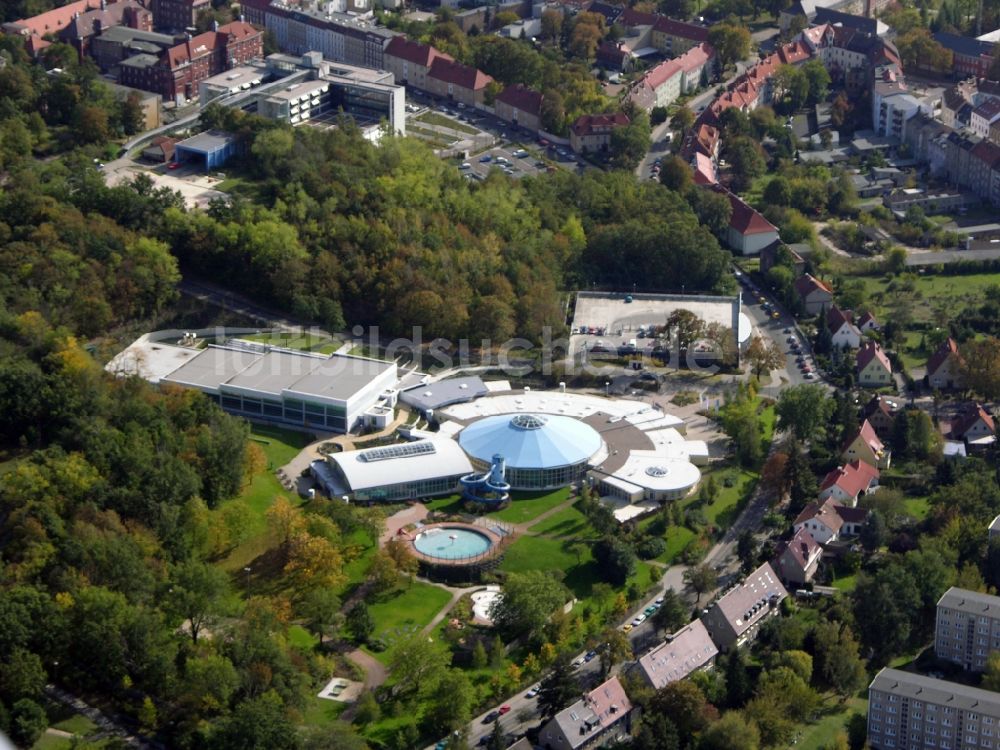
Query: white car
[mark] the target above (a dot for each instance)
(639, 620)
(465, 165)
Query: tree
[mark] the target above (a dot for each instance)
(738, 684)
(783, 687)
(526, 603)
(655, 732)
(207, 684)
(257, 724)
(991, 674)
(198, 593)
(417, 664)
(701, 579)
(675, 174)
(682, 119)
(558, 689)
(804, 410)
(685, 325)
(359, 622)
(672, 614)
(774, 476)
(552, 21)
(479, 656)
(629, 144)
(981, 367)
(616, 560)
(588, 30)
(321, 610)
(615, 648)
(791, 87)
(746, 550)
(764, 355)
(875, 533)
(919, 50)
(21, 676)
(497, 740)
(27, 722)
(731, 43)
(741, 422)
(818, 79)
(731, 732)
(93, 125)
(686, 706)
(747, 160)
(450, 702)
(778, 192)
(553, 111)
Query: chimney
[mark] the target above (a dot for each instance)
(103, 5)
(242, 19)
(215, 25)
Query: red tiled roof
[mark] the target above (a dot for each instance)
(852, 479)
(695, 57)
(414, 52)
(91, 22)
(801, 547)
(945, 350)
(680, 29)
(587, 124)
(204, 44)
(986, 151)
(882, 404)
(745, 219)
(239, 30)
(455, 73)
(831, 514)
(867, 433)
(971, 414)
(630, 17)
(662, 73)
(872, 351)
(836, 318)
(704, 170)
(794, 52)
(56, 19)
(806, 284)
(522, 98)
(866, 319)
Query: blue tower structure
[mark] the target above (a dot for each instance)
(489, 488)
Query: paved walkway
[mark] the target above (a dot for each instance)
(98, 717)
(456, 594)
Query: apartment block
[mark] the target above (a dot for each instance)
(967, 628)
(912, 712)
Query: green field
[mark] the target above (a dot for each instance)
(845, 584)
(405, 611)
(569, 522)
(307, 342)
(433, 118)
(954, 292)
(678, 537)
(527, 506)
(834, 719)
(918, 507)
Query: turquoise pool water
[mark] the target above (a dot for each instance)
(451, 543)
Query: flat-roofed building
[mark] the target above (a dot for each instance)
(424, 468)
(231, 82)
(907, 710)
(967, 628)
(336, 393)
(688, 650)
(735, 617)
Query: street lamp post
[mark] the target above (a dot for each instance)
(607, 388)
(247, 571)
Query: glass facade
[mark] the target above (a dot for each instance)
(537, 479)
(407, 490)
(291, 411)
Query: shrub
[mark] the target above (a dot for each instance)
(650, 547)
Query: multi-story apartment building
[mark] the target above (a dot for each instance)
(967, 628)
(178, 15)
(908, 711)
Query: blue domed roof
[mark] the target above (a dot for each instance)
(531, 441)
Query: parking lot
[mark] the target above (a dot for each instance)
(611, 322)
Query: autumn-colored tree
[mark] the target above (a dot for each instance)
(764, 355)
(313, 561)
(773, 477)
(284, 518)
(981, 367)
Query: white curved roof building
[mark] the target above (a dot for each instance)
(541, 451)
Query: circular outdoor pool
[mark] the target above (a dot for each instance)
(451, 543)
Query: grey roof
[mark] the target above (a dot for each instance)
(688, 650)
(141, 61)
(599, 709)
(340, 377)
(748, 602)
(125, 34)
(939, 692)
(211, 367)
(210, 140)
(963, 45)
(274, 372)
(444, 393)
(970, 602)
(860, 23)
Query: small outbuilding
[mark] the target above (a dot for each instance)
(210, 149)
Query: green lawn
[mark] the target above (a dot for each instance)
(678, 537)
(77, 724)
(834, 719)
(433, 118)
(307, 342)
(918, 507)
(846, 584)
(447, 504)
(299, 636)
(356, 568)
(957, 292)
(576, 561)
(406, 611)
(321, 712)
(527, 506)
(723, 510)
(569, 522)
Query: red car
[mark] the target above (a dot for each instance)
(504, 710)
(174, 165)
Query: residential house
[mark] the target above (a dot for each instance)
(873, 366)
(702, 139)
(674, 37)
(846, 483)
(520, 105)
(815, 295)
(995, 529)
(696, 63)
(659, 87)
(973, 425)
(984, 116)
(688, 650)
(705, 172)
(735, 618)
(929, 712)
(615, 56)
(457, 82)
(749, 232)
(865, 445)
(76, 23)
(843, 332)
(176, 72)
(881, 412)
(772, 254)
(592, 133)
(797, 560)
(178, 15)
(161, 149)
(867, 323)
(967, 628)
(410, 62)
(603, 716)
(944, 368)
(970, 57)
(828, 521)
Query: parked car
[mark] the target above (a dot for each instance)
(639, 620)
(491, 717)
(504, 709)
(533, 691)
(485, 159)
(174, 165)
